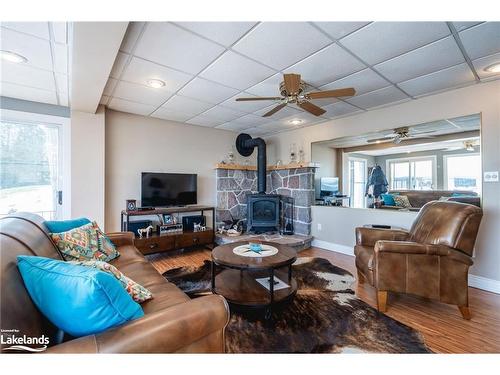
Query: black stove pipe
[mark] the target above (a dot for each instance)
(245, 145)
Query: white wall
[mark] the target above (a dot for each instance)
(482, 98)
(87, 165)
(136, 144)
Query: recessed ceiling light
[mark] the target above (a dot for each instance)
(494, 68)
(12, 57)
(295, 122)
(156, 83)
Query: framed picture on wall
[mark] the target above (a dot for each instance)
(168, 219)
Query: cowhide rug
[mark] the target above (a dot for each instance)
(324, 317)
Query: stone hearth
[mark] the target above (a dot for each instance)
(233, 186)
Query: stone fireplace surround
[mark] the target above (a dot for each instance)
(234, 183)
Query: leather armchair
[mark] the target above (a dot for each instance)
(431, 260)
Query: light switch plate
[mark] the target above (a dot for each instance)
(491, 176)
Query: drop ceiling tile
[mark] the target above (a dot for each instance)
(430, 58)
(483, 63)
(255, 132)
(26, 75)
(460, 26)
(305, 117)
(236, 71)
(37, 51)
(232, 126)
(186, 105)
(130, 107)
(327, 65)
(377, 98)
(252, 120)
(247, 106)
(167, 114)
(119, 65)
(141, 94)
(133, 31)
(60, 30)
(270, 43)
(140, 71)
(223, 114)
(338, 30)
(380, 41)
(60, 58)
(38, 29)
(443, 79)
(275, 126)
(207, 91)
(268, 87)
(364, 81)
(339, 109)
(204, 121)
(225, 33)
(481, 40)
(289, 110)
(61, 83)
(27, 93)
(169, 45)
(110, 86)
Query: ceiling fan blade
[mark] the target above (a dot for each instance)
(311, 108)
(259, 98)
(383, 139)
(274, 110)
(292, 83)
(331, 93)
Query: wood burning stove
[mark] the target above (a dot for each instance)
(263, 213)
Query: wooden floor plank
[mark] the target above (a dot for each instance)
(442, 326)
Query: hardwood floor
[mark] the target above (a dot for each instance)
(442, 326)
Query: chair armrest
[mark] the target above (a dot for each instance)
(407, 247)
(121, 238)
(369, 236)
(164, 331)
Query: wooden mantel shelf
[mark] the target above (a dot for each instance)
(269, 167)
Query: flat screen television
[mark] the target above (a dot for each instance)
(329, 186)
(168, 189)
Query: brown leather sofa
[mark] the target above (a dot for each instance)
(173, 323)
(418, 198)
(431, 260)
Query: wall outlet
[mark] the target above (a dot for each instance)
(491, 176)
(319, 227)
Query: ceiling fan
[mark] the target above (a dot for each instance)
(401, 134)
(292, 91)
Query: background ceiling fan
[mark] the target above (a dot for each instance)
(401, 134)
(292, 91)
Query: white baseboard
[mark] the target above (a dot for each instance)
(478, 282)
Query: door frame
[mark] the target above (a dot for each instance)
(356, 158)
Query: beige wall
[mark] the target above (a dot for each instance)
(136, 144)
(482, 98)
(87, 165)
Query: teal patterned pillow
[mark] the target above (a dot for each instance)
(402, 201)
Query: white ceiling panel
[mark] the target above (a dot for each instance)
(430, 58)
(222, 113)
(289, 110)
(247, 106)
(443, 79)
(140, 71)
(481, 64)
(36, 50)
(60, 58)
(207, 91)
(236, 71)
(327, 65)
(377, 98)
(233, 126)
(141, 94)
(269, 43)
(305, 117)
(338, 30)
(60, 30)
(225, 33)
(134, 30)
(26, 75)
(481, 40)
(339, 109)
(268, 87)
(202, 120)
(110, 86)
(167, 114)
(130, 107)
(364, 81)
(186, 105)
(169, 45)
(27, 93)
(380, 41)
(276, 126)
(119, 65)
(252, 120)
(255, 132)
(38, 29)
(460, 26)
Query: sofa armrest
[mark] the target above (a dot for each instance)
(164, 331)
(407, 247)
(369, 236)
(121, 238)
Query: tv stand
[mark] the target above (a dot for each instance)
(157, 243)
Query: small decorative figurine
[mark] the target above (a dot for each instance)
(145, 231)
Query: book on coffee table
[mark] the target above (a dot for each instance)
(278, 283)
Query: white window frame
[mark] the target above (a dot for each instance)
(445, 168)
(355, 158)
(409, 159)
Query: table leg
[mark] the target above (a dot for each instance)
(212, 270)
(121, 222)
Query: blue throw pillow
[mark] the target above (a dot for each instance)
(463, 195)
(388, 199)
(78, 300)
(58, 226)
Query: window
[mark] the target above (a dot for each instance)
(463, 172)
(357, 182)
(412, 173)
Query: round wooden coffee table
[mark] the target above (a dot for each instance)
(237, 280)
